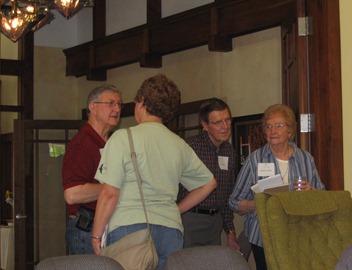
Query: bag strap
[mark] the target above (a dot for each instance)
(135, 165)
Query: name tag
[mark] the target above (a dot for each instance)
(223, 162)
(266, 169)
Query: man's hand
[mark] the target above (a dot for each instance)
(232, 241)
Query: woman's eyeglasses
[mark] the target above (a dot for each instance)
(277, 126)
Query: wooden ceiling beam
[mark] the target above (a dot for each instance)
(217, 43)
(196, 27)
(99, 31)
(147, 58)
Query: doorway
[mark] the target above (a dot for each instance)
(39, 206)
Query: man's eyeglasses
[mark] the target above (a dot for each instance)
(219, 123)
(277, 126)
(111, 104)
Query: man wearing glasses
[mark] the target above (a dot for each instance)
(80, 164)
(204, 223)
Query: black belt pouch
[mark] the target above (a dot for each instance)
(85, 219)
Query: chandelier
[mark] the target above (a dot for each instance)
(18, 17)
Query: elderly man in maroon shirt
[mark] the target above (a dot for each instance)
(80, 164)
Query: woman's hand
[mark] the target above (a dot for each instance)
(245, 207)
(96, 245)
(106, 205)
(302, 185)
(196, 196)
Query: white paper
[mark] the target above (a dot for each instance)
(104, 237)
(269, 182)
(255, 188)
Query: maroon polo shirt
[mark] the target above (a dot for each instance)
(81, 161)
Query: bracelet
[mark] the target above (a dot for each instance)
(95, 237)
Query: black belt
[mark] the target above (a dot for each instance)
(211, 211)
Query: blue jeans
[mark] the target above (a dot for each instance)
(77, 241)
(166, 240)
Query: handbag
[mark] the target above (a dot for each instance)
(135, 251)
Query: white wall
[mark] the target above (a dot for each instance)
(171, 7)
(61, 33)
(346, 60)
(8, 85)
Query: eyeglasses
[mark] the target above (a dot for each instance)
(277, 126)
(111, 104)
(219, 123)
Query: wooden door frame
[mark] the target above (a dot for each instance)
(25, 236)
(326, 91)
(312, 83)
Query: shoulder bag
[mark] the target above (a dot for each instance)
(135, 251)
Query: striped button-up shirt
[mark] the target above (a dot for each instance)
(300, 163)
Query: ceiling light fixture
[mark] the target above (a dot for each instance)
(68, 8)
(18, 17)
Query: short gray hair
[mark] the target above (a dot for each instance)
(95, 94)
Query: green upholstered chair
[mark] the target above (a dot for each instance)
(304, 229)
